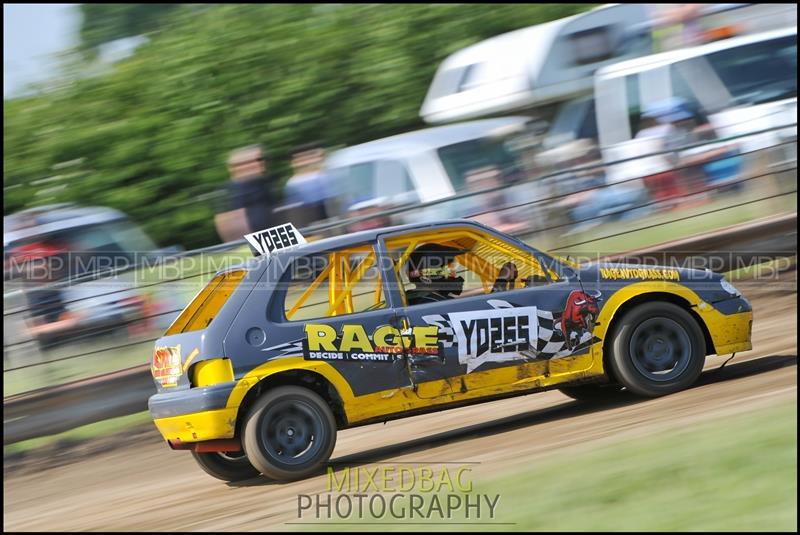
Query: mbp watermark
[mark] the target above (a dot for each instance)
(399, 492)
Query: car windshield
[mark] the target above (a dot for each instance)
(775, 61)
(90, 247)
(497, 153)
(384, 182)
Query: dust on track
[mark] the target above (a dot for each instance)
(142, 485)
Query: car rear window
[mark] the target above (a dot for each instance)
(206, 304)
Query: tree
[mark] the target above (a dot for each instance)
(103, 23)
(151, 135)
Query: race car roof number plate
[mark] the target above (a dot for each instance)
(274, 239)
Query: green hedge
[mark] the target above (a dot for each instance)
(152, 133)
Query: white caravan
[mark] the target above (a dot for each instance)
(536, 66)
(743, 85)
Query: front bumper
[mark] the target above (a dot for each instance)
(195, 414)
(732, 332)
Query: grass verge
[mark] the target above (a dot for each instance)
(738, 473)
(80, 434)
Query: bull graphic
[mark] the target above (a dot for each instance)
(579, 316)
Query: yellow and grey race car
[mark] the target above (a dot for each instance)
(272, 357)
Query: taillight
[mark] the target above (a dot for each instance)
(166, 367)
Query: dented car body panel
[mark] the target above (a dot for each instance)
(347, 324)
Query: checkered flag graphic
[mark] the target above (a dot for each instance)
(442, 321)
(548, 343)
(550, 340)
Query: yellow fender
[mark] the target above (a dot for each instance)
(356, 408)
(729, 333)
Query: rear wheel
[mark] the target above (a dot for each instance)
(657, 349)
(227, 466)
(290, 433)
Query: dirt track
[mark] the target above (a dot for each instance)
(144, 486)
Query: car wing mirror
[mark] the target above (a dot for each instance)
(570, 273)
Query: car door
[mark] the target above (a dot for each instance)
(360, 340)
(348, 343)
(499, 339)
(502, 340)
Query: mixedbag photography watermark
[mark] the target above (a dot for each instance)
(399, 492)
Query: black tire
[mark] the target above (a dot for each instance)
(596, 393)
(657, 348)
(289, 433)
(233, 466)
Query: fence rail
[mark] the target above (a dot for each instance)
(327, 226)
(55, 409)
(544, 200)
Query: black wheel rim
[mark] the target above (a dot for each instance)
(292, 432)
(660, 349)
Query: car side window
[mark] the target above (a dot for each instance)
(359, 183)
(462, 263)
(332, 283)
(393, 183)
(634, 104)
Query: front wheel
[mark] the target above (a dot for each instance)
(289, 433)
(657, 349)
(227, 466)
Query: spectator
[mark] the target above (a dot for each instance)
(373, 209)
(574, 187)
(488, 206)
(308, 195)
(704, 167)
(250, 201)
(681, 175)
(662, 181)
(594, 201)
(678, 25)
(618, 201)
(700, 167)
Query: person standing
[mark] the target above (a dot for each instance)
(249, 197)
(677, 26)
(309, 192)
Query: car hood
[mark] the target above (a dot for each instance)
(706, 283)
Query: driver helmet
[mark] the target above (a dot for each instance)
(433, 267)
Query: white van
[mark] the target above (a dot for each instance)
(426, 165)
(536, 66)
(743, 84)
(547, 70)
